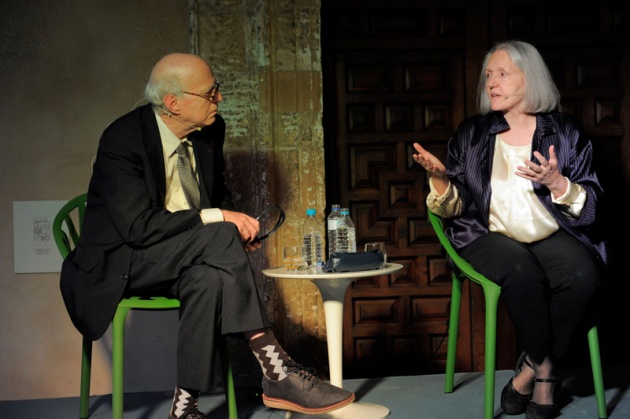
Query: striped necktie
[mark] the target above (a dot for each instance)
(187, 177)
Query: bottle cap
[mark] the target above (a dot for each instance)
(311, 211)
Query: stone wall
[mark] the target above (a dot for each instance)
(266, 53)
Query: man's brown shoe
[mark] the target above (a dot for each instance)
(301, 391)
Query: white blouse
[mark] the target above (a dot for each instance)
(515, 211)
(514, 208)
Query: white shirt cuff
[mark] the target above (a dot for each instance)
(211, 215)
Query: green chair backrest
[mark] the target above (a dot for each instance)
(67, 224)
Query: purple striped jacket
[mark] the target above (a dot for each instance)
(469, 166)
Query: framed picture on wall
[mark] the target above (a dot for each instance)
(33, 242)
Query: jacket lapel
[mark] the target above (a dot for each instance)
(153, 147)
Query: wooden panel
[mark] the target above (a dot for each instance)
(386, 101)
(376, 311)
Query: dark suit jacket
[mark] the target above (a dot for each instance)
(125, 211)
(469, 166)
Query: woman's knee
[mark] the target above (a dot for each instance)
(579, 280)
(502, 259)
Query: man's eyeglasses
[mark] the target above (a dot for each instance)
(211, 95)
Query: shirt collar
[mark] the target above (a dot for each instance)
(170, 142)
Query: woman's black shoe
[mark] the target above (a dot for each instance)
(543, 411)
(513, 402)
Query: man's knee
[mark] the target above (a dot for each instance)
(203, 279)
(224, 231)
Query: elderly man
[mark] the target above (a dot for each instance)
(159, 220)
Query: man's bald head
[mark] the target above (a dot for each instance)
(174, 73)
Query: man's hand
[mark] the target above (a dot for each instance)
(248, 227)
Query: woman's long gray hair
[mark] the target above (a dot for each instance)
(541, 93)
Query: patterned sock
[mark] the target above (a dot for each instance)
(270, 355)
(184, 398)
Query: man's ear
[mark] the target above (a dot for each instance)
(171, 104)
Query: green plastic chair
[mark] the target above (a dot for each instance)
(66, 231)
(462, 270)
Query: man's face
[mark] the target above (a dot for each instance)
(200, 99)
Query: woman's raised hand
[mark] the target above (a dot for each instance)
(431, 164)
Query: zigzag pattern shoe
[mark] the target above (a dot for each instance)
(190, 413)
(185, 406)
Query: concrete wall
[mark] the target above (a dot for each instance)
(67, 69)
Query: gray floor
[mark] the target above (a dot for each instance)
(410, 397)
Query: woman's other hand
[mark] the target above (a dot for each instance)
(546, 173)
(433, 165)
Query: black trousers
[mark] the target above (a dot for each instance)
(547, 286)
(208, 270)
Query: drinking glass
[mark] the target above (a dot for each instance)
(293, 258)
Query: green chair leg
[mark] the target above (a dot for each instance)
(453, 330)
(86, 374)
(598, 378)
(228, 379)
(491, 293)
(66, 234)
(118, 345)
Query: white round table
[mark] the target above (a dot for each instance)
(333, 286)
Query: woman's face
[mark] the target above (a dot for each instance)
(505, 83)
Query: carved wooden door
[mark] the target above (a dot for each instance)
(401, 71)
(386, 96)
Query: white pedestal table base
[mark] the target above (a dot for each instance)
(333, 287)
(356, 410)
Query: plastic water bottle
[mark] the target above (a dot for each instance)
(346, 235)
(331, 227)
(312, 240)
